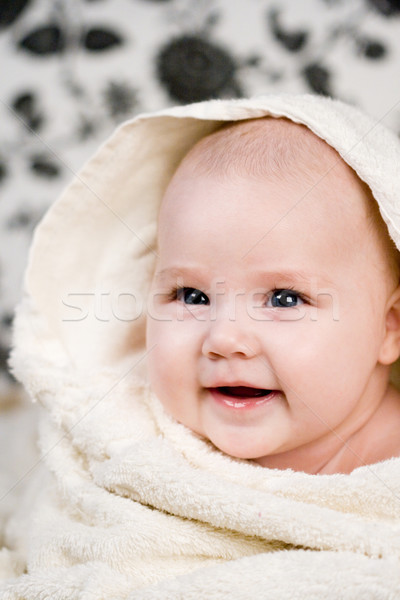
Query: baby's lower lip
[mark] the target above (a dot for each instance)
(241, 397)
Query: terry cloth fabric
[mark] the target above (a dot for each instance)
(131, 504)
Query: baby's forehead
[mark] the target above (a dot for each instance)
(262, 147)
(275, 149)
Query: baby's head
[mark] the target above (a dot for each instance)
(274, 319)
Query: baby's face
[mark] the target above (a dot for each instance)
(268, 313)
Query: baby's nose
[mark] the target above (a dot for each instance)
(226, 338)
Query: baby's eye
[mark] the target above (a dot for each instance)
(192, 296)
(285, 299)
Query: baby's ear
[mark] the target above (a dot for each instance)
(390, 349)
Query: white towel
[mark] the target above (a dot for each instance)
(130, 504)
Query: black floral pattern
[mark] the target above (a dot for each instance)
(388, 8)
(193, 69)
(291, 40)
(10, 10)
(22, 220)
(3, 171)
(44, 166)
(98, 39)
(318, 79)
(26, 108)
(44, 40)
(4, 356)
(371, 48)
(120, 99)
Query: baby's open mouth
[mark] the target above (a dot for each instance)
(242, 397)
(242, 392)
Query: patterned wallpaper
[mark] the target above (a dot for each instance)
(71, 70)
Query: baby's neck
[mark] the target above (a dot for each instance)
(376, 438)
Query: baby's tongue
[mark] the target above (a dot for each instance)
(241, 391)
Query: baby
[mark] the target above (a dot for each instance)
(276, 302)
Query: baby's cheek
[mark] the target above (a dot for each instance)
(161, 360)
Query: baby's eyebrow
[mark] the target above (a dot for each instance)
(296, 275)
(278, 277)
(175, 273)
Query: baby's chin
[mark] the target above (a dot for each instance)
(244, 445)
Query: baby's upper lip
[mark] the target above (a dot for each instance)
(223, 383)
